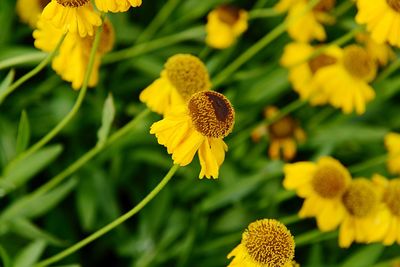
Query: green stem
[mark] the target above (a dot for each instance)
(34, 71)
(74, 109)
(191, 34)
(205, 52)
(342, 8)
(314, 236)
(260, 4)
(388, 71)
(32, 57)
(290, 219)
(257, 47)
(158, 21)
(368, 164)
(263, 13)
(113, 224)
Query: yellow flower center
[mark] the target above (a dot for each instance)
(228, 14)
(359, 63)
(212, 114)
(283, 128)
(394, 4)
(321, 61)
(269, 243)
(188, 74)
(72, 3)
(329, 181)
(392, 197)
(360, 198)
(43, 3)
(325, 5)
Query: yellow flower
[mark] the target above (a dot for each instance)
(265, 243)
(382, 18)
(322, 184)
(29, 10)
(392, 143)
(76, 16)
(366, 219)
(306, 27)
(302, 70)
(283, 135)
(200, 125)
(345, 83)
(382, 53)
(225, 24)
(73, 57)
(182, 76)
(391, 198)
(116, 5)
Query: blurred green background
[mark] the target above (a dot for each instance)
(191, 222)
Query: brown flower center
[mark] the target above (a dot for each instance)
(283, 128)
(269, 243)
(329, 181)
(392, 197)
(228, 14)
(43, 3)
(359, 63)
(394, 4)
(321, 61)
(72, 3)
(212, 114)
(325, 5)
(360, 198)
(188, 74)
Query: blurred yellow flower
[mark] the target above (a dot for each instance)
(73, 57)
(183, 75)
(283, 135)
(367, 219)
(345, 83)
(306, 27)
(200, 125)
(29, 10)
(382, 18)
(116, 5)
(392, 143)
(265, 243)
(302, 69)
(322, 184)
(75, 16)
(382, 53)
(225, 24)
(391, 198)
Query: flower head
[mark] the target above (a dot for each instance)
(381, 53)
(392, 143)
(382, 18)
(75, 16)
(29, 10)
(225, 24)
(183, 75)
(116, 5)
(366, 219)
(197, 126)
(265, 243)
(322, 184)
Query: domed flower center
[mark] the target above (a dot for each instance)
(359, 63)
(392, 197)
(325, 5)
(269, 243)
(212, 114)
(188, 74)
(228, 14)
(43, 3)
(329, 181)
(282, 128)
(360, 198)
(72, 3)
(321, 61)
(394, 4)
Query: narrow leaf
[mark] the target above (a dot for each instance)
(24, 133)
(30, 254)
(5, 258)
(5, 84)
(365, 256)
(108, 118)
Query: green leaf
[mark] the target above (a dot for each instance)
(22, 171)
(86, 200)
(108, 118)
(24, 133)
(5, 84)
(30, 254)
(365, 256)
(5, 258)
